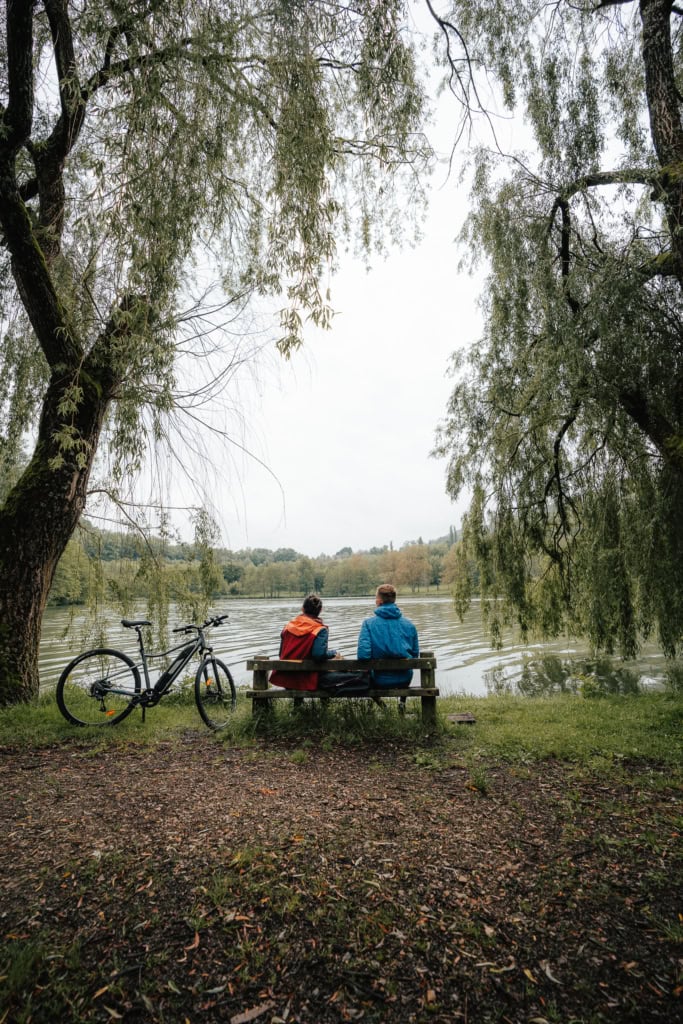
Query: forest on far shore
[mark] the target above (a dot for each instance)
(103, 565)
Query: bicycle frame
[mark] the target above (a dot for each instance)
(152, 694)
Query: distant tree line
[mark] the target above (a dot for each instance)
(100, 565)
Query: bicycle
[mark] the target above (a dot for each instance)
(103, 686)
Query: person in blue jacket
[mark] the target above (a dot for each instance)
(388, 634)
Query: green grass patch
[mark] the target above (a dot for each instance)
(568, 727)
(330, 723)
(33, 972)
(42, 725)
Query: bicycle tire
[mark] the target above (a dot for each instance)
(82, 690)
(214, 693)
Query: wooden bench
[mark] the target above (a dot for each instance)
(262, 695)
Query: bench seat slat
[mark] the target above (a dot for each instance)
(413, 691)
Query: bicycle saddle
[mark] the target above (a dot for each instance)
(135, 622)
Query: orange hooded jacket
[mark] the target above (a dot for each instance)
(296, 643)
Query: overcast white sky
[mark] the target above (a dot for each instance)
(348, 427)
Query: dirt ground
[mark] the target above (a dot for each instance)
(192, 882)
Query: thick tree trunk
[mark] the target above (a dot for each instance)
(666, 129)
(42, 510)
(36, 522)
(665, 119)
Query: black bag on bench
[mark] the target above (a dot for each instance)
(344, 684)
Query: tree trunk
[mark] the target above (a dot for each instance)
(665, 120)
(36, 522)
(667, 136)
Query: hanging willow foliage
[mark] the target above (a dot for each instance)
(130, 132)
(567, 416)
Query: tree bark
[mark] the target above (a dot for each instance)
(36, 523)
(665, 120)
(43, 508)
(660, 431)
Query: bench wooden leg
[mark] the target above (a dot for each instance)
(260, 707)
(428, 703)
(429, 712)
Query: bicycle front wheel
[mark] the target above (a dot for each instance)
(214, 692)
(98, 688)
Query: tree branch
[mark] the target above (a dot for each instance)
(565, 255)
(17, 117)
(611, 3)
(658, 428)
(69, 125)
(622, 176)
(34, 284)
(625, 176)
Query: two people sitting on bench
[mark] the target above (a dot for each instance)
(386, 635)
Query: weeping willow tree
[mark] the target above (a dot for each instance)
(130, 132)
(566, 420)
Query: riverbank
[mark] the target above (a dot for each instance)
(161, 873)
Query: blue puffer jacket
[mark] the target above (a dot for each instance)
(388, 635)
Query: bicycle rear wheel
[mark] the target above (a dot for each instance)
(214, 692)
(98, 688)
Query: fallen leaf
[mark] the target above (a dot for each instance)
(249, 1015)
(546, 970)
(529, 975)
(195, 943)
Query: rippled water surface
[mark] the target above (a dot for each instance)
(465, 661)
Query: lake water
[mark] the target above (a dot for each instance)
(466, 663)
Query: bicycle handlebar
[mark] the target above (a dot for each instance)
(216, 620)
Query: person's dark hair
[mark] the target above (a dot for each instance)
(312, 606)
(386, 593)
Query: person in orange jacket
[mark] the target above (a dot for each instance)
(305, 636)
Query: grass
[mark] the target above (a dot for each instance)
(566, 727)
(42, 725)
